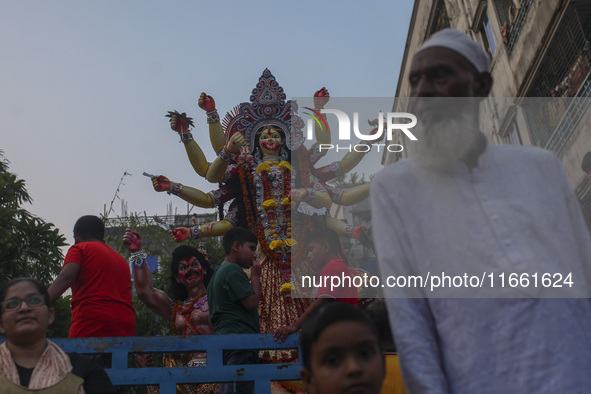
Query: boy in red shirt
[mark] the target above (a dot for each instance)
(326, 255)
(101, 284)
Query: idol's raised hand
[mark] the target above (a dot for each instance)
(180, 234)
(321, 97)
(206, 102)
(132, 240)
(161, 183)
(179, 122)
(236, 141)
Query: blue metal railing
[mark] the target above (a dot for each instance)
(167, 378)
(571, 118)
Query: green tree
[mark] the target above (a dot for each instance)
(29, 246)
(60, 328)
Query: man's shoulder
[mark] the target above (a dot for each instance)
(228, 269)
(74, 249)
(80, 250)
(89, 245)
(523, 155)
(401, 169)
(102, 247)
(98, 251)
(525, 151)
(520, 149)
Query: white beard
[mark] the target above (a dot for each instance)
(444, 142)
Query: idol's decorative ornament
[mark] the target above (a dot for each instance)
(267, 107)
(186, 309)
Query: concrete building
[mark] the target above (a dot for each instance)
(541, 57)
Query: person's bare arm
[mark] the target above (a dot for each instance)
(63, 282)
(252, 302)
(282, 332)
(155, 299)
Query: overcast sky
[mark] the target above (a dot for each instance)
(85, 85)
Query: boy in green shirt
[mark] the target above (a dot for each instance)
(233, 299)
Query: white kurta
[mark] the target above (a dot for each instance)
(514, 213)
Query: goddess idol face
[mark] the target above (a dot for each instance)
(270, 141)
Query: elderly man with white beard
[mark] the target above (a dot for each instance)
(478, 213)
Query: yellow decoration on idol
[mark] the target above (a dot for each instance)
(283, 165)
(269, 204)
(276, 244)
(263, 167)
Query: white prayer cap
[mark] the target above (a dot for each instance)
(462, 44)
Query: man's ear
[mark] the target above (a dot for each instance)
(308, 381)
(483, 84)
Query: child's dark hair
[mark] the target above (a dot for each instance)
(378, 314)
(35, 282)
(325, 316)
(178, 292)
(237, 234)
(88, 227)
(328, 236)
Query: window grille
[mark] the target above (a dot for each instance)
(574, 113)
(504, 9)
(511, 15)
(563, 72)
(441, 18)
